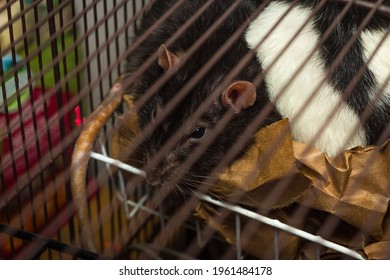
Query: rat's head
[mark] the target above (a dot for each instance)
(177, 135)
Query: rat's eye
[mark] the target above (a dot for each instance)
(198, 133)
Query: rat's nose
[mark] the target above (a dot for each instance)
(153, 180)
(158, 176)
(161, 174)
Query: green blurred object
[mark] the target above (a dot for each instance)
(66, 65)
(64, 43)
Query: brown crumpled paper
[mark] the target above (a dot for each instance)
(277, 176)
(353, 187)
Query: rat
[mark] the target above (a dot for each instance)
(330, 120)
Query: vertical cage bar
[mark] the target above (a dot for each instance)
(238, 236)
(276, 244)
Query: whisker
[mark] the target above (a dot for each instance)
(201, 186)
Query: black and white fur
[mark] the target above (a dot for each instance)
(330, 121)
(319, 123)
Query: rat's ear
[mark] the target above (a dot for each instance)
(239, 95)
(166, 58)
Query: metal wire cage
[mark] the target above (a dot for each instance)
(60, 61)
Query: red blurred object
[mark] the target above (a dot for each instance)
(34, 148)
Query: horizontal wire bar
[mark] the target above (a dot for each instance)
(118, 164)
(45, 242)
(277, 224)
(242, 211)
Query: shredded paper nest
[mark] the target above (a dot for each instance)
(348, 195)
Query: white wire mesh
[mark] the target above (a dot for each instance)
(238, 210)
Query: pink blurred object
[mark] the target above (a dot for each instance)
(34, 148)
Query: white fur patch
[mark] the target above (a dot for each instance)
(380, 62)
(318, 116)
